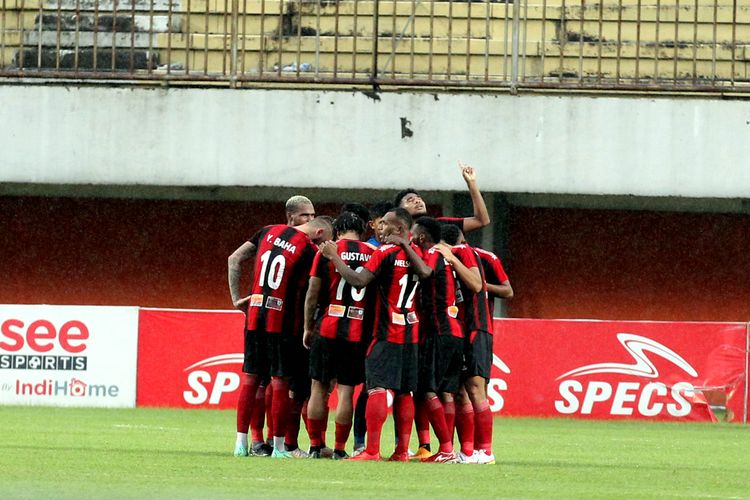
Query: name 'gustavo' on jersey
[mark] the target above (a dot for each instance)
(354, 257)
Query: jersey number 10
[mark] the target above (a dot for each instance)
(275, 270)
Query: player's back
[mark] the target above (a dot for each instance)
(494, 273)
(441, 296)
(396, 283)
(475, 309)
(492, 266)
(282, 264)
(343, 306)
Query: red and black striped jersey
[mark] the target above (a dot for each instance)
(439, 298)
(342, 306)
(283, 259)
(494, 273)
(395, 313)
(476, 309)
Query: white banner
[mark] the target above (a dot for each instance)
(68, 355)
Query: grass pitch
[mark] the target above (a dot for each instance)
(84, 453)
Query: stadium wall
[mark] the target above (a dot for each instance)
(641, 146)
(562, 262)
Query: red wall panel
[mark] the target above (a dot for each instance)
(152, 253)
(608, 264)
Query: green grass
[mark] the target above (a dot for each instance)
(80, 453)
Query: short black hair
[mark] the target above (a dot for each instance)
(450, 233)
(400, 195)
(349, 221)
(404, 215)
(357, 208)
(430, 225)
(380, 208)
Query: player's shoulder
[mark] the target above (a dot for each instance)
(485, 253)
(432, 252)
(387, 248)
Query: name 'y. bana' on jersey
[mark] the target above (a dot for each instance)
(342, 305)
(396, 283)
(282, 265)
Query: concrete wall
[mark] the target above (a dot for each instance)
(315, 139)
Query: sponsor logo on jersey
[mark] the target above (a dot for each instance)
(274, 303)
(336, 310)
(355, 313)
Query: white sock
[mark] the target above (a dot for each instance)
(242, 438)
(278, 443)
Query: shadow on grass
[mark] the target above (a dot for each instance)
(121, 451)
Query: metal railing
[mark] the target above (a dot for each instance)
(674, 45)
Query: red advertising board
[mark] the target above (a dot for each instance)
(580, 369)
(189, 359)
(619, 369)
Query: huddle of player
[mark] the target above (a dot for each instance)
(407, 312)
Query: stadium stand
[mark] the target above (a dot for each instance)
(609, 42)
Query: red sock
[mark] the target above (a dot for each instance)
(259, 415)
(246, 401)
(449, 408)
(483, 427)
(342, 435)
(315, 429)
(377, 407)
(465, 428)
(269, 412)
(437, 419)
(291, 438)
(280, 406)
(404, 408)
(422, 422)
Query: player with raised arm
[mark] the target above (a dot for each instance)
(336, 352)
(391, 360)
(299, 210)
(410, 200)
(274, 316)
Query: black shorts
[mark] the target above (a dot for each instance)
(426, 372)
(449, 360)
(270, 354)
(478, 355)
(392, 366)
(337, 359)
(300, 381)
